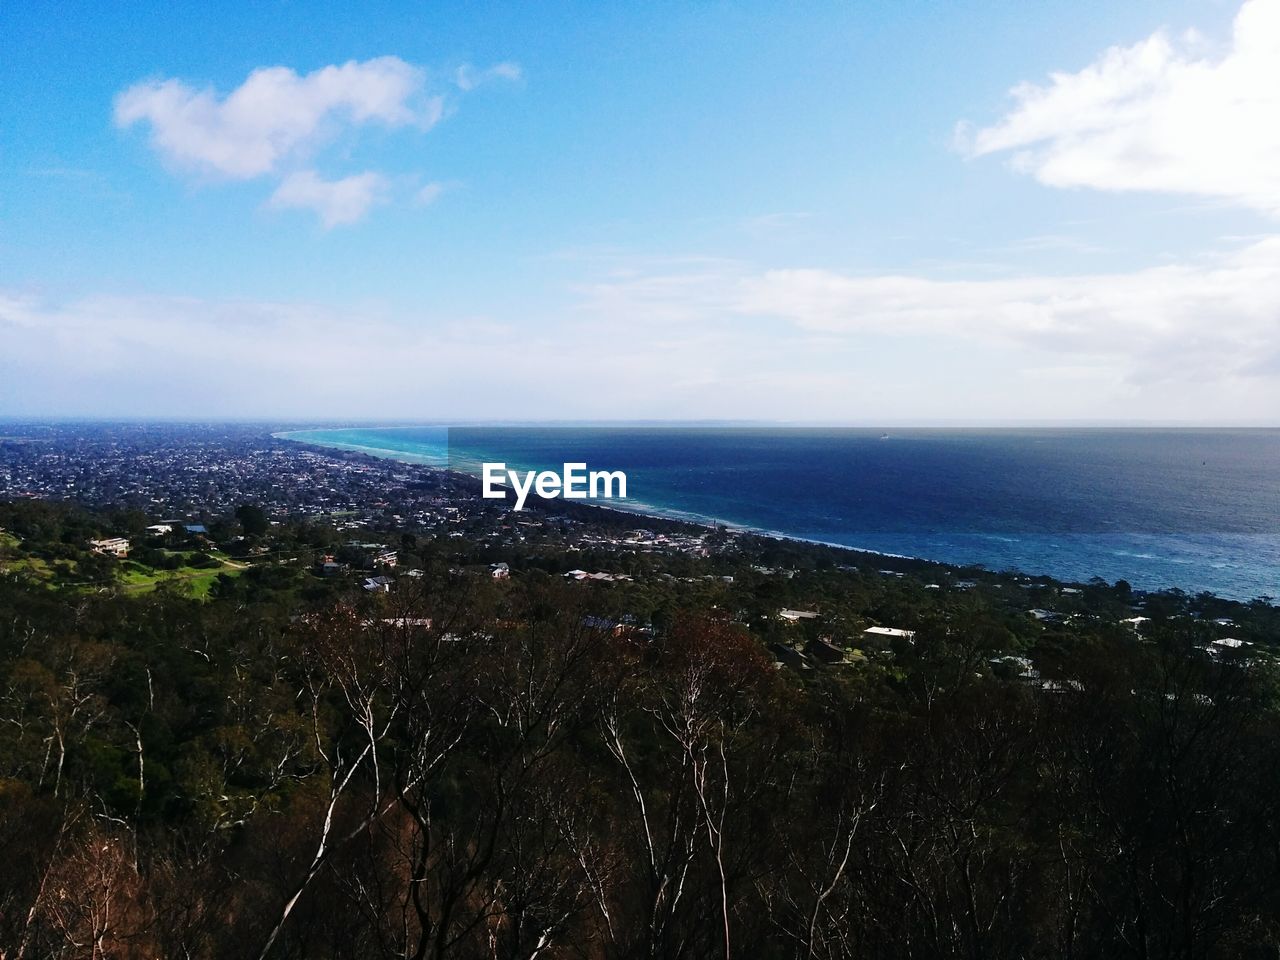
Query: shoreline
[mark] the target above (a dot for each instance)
(649, 511)
(1083, 573)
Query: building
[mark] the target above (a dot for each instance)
(626, 627)
(581, 575)
(789, 656)
(385, 558)
(327, 566)
(378, 584)
(825, 652)
(1015, 666)
(499, 571)
(795, 616)
(890, 633)
(111, 547)
(1218, 647)
(1046, 616)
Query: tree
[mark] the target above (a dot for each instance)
(253, 520)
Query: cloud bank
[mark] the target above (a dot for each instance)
(1198, 340)
(1195, 322)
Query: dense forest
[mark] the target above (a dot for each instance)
(478, 768)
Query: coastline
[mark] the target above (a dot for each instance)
(640, 509)
(1220, 569)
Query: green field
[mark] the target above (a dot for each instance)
(133, 577)
(138, 578)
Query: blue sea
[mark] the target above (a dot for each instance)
(1197, 509)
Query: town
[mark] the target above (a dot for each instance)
(233, 498)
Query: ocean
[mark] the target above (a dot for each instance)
(1196, 509)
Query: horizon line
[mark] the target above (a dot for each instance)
(338, 422)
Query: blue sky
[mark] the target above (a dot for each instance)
(809, 211)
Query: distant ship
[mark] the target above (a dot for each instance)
(884, 436)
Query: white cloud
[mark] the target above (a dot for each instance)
(1154, 116)
(336, 202)
(428, 194)
(468, 77)
(274, 114)
(273, 124)
(1199, 322)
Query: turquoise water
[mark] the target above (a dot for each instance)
(1195, 509)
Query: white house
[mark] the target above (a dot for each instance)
(113, 546)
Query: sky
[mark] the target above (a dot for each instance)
(858, 212)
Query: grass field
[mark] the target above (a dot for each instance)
(137, 578)
(133, 577)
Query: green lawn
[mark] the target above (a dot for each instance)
(132, 576)
(31, 565)
(41, 569)
(136, 578)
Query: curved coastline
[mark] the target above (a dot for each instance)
(638, 508)
(294, 436)
(1195, 567)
